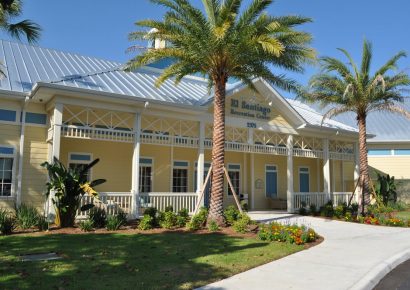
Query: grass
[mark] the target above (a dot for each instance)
(403, 214)
(132, 261)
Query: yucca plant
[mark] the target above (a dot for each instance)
(68, 186)
(226, 41)
(350, 88)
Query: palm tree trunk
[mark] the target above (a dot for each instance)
(363, 163)
(218, 154)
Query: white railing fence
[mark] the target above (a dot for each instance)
(114, 202)
(319, 199)
(160, 200)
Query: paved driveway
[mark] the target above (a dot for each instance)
(353, 256)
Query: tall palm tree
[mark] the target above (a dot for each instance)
(10, 9)
(353, 89)
(221, 43)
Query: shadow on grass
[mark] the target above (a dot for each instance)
(118, 261)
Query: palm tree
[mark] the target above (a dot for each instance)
(10, 9)
(358, 90)
(221, 43)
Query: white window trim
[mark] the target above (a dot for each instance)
(240, 178)
(18, 119)
(187, 167)
(277, 179)
(81, 161)
(304, 172)
(13, 171)
(152, 171)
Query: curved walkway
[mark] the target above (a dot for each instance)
(353, 256)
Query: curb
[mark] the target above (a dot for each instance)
(372, 278)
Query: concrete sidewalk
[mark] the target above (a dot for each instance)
(353, 256)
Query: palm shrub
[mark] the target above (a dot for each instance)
(66, 187)
(225, 41)
(386, 188)
(98, 217)
(27, 216)
(115, 222)
(350, 88)
(7, 222)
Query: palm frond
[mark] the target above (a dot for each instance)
(389, 107)
(27, 28)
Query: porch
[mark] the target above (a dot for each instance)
(151, 160)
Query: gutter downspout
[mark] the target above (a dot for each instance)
(21, 150)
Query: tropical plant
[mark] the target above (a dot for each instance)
(227, 41)
(353, 89)
(66, 187)
(86, 225)
(115, 222)
(10, 9)
(98, 216)
(7, 222)
(386, 188)
(27, 216)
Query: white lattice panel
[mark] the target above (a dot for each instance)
(170, 126)
(269, 138)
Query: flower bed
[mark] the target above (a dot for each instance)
(293, 234)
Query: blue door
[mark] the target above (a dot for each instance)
(304, 185)
(271, 181)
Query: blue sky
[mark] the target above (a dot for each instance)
(100, 28)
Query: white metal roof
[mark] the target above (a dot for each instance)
(25, 65)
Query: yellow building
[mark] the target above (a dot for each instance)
(155, 143)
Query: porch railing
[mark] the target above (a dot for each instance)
(160, 200)
(71, 131)
(319, 199)
(114, 202)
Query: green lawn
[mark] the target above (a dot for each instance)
(403, 215)
(137, 261)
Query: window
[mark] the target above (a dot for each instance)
(234, 172)
(379, 152)
(271, 181)
(8, 115)
(35, 118)
(402, 152)
(180, 176)
(6, 171)
(304, 179)
(145, 184)
(80, 161)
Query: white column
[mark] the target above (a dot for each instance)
(21, 152)
(356, 170)
(326, 169)
(342, 168)
(252, 197)
(201, 161)
(55, 149)
(135, 182)
(289, 171)
(58, 121)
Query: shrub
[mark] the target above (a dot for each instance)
(169, 208)
(183, 213)
(327, 209)
(86, 226)
(115, 222)
(146, 223)
(26, 216)
(98, 217)
(213, 226)
(313, 209)
(241, 225)
(303, 211)
(231, 214)
(339, 211)
(244, 205)
(180, 222)
(168, 220)
(348, 216)
(354, 207)
(293, 234)
(198, 220)
(152, 212)
(42, 223)
(7, 222)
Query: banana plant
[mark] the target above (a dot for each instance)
(386, 188)
(68, 186)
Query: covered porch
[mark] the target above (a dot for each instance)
(152, 160)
